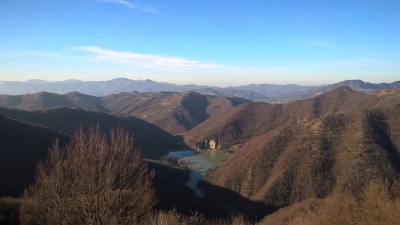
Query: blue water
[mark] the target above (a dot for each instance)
(198, 164)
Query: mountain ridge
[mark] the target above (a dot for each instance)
(255, 118)
(175, 112)
(254, 92)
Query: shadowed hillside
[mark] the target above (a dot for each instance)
(86, 102)
(23, 145)
(153, 141)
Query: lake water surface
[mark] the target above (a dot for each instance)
(199, 163)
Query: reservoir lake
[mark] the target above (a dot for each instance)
(199, 163)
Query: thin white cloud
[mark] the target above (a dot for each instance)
(122, 2)
(131, 5)
(144, 60)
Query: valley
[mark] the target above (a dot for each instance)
(218, 155)
(128, 112)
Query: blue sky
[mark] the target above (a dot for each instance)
(203, 42)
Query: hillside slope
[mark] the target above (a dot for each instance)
(45, 100)
(231, 129)
(35, 101)
(173, 112)
(23, 145)
(153, 141)
(339, 145)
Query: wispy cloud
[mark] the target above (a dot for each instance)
(122, 2)
(348, 62)
(136, 6)
(145, 60)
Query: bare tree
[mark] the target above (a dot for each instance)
(95, 179)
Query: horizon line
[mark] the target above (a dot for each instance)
(210, 85)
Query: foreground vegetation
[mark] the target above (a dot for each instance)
(9, 210)
(378, 205)
(98, 179)
(93, 180)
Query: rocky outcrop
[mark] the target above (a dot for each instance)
(211, 144)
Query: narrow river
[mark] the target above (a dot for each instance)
(199, 163)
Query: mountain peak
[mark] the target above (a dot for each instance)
(77, 93)
(120, 79)
(356, 84)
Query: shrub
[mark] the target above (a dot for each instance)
(95, 179)
(9, 209)
(379, 205)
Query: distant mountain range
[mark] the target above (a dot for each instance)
(254, 92)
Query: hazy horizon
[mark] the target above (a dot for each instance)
(200, 84)
(221, 43)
